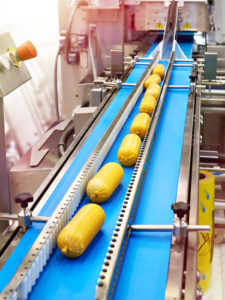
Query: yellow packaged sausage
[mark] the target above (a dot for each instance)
(147, 105)
(140, 124)
(81, 230)
(154, 90)
(205, 269)
(104, 183)
(129, 150)
(206, 217)
(206, 210)
(154, 78)
(159, 70)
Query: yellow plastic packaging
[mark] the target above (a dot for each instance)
(129, 150)
(204, 267)
(104, 183)
(154, 78)
(140, 125)
(206, 210)
(206, 217)
(81, 230)
(154, 90)
(159, 70)
(147, 105)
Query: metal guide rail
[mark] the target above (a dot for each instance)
(122, 231)
(26, 275)
(176, 266)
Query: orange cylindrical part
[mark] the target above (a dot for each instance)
(26, 51)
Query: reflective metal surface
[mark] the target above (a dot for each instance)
(192, 243)
(168, 44)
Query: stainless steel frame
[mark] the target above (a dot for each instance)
(192, 243)
(177, 252)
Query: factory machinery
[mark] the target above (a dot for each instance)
(148, 245)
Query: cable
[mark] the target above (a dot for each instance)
(56, 84)
(64, 138)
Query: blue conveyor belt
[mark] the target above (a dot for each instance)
(76, 279)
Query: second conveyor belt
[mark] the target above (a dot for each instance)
(145, 266)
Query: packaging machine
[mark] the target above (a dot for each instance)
(145, 249)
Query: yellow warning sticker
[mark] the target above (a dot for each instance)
(159, 25)
(187, 25)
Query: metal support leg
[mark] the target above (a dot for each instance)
(4, 183)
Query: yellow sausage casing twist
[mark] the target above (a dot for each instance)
(81, 230)
(129, 150)
(104, 183)
(154, 90)
(148, 104)
(140, 124)
(154, 78)
(159, 70)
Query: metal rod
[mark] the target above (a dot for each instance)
(198, 228)
(220, 220)
(142, 63)
(209, 156)
(220, 205)
(183, 65)
(128, 84)
(213, 99)
(39, 219)
(183, 59)
(208, 151)
(9, 217)
(217, 110)
(214, 170)
(155, 228)
(214, 92)
(220, 178)
(178, 86)
(14, 217)
(166, 228)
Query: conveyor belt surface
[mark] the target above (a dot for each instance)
(76, 279)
